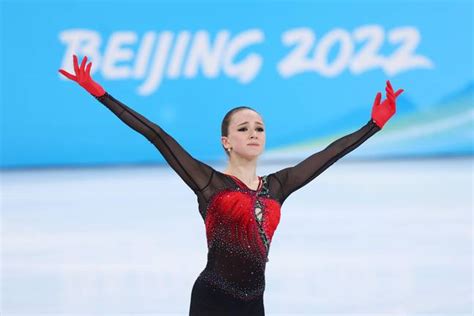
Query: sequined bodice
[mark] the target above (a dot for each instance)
(240, 223)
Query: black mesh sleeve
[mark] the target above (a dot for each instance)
(195, 174)
(293, 178)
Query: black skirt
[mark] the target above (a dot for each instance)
(206, 300)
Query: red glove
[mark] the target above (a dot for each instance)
(83, 77)
(382, 112)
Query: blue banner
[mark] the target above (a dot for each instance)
(311, 69)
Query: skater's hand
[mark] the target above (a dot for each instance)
(382, 112)
(83, 77)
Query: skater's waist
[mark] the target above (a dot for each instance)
(244, 288)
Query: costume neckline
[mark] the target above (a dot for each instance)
(245, 185)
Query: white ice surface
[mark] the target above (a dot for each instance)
(364, 238)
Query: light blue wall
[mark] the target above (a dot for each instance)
(311, 69)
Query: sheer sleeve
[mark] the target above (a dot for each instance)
(293, 178)
(195, 174)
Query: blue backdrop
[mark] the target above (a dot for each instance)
(311, 69)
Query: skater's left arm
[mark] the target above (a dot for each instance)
(293, 178)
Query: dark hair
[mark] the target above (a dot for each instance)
(226, 121)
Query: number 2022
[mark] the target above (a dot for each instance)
(301, 59)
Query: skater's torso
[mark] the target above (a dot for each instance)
(240, 223)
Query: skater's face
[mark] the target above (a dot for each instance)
(246, 134)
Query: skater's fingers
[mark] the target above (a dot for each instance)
(67, 74)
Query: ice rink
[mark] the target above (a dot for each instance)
(363, 238)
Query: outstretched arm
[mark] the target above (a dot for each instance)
(293, 178)
(195, 174)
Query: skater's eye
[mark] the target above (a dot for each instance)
(245, 128)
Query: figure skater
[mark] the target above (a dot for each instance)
(240, 209)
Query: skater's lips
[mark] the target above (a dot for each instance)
(254, 144)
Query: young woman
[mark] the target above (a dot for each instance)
(240, 209)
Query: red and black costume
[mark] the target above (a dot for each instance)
(240, 222)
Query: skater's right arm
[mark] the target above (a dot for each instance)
(195, 174)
